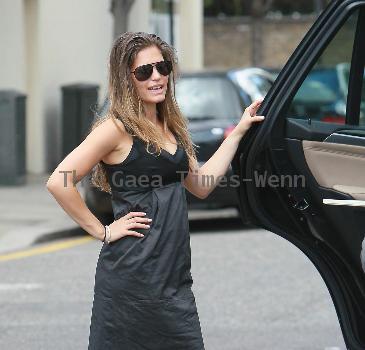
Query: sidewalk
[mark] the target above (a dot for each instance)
(30, 214)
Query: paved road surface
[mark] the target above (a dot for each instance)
(253, 290)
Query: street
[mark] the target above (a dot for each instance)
(253, 289)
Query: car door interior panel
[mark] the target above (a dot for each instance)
(355, 192)
(351, 203)
(337, 166)
(356, 138)
(315, 132)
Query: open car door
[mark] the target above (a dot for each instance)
(303, 168)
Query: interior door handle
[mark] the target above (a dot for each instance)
(346, 202)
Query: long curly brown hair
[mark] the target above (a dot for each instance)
(126, 105)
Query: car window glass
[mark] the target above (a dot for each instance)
(262, 84)
(362, 106)
(323, 94)
(207, 97)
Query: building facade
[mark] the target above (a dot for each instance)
(46, 44)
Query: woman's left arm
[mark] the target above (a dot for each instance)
(201, 181)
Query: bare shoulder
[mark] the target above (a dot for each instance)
(111, 129)
(103, 140)
(115, 133)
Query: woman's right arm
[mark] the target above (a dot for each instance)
(62, 182)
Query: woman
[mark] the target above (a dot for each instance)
(142, 294)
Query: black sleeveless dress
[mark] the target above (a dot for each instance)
(142, 295)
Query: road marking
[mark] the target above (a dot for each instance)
(19, 286)
(201, 214)
(332, 348)
(44, 249)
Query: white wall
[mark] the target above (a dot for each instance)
(45, 44)
(12, 55)
(72, 40)
(139, 16)
(190, 34)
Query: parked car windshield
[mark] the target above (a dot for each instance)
(262, 84)
(207, 97)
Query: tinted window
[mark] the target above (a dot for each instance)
(323, 94)
(205, 97)
(362, 106)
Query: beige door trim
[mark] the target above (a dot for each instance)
(337, 166)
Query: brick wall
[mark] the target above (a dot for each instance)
(228, 41)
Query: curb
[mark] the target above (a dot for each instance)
(18, 239)
(26, 236)
(53, 236)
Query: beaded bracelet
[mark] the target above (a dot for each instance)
(104, 234)
(109, 234)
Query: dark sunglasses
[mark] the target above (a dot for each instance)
(144, 72)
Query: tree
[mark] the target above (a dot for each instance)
(258, 10)
(233, 8)
(120, 10)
